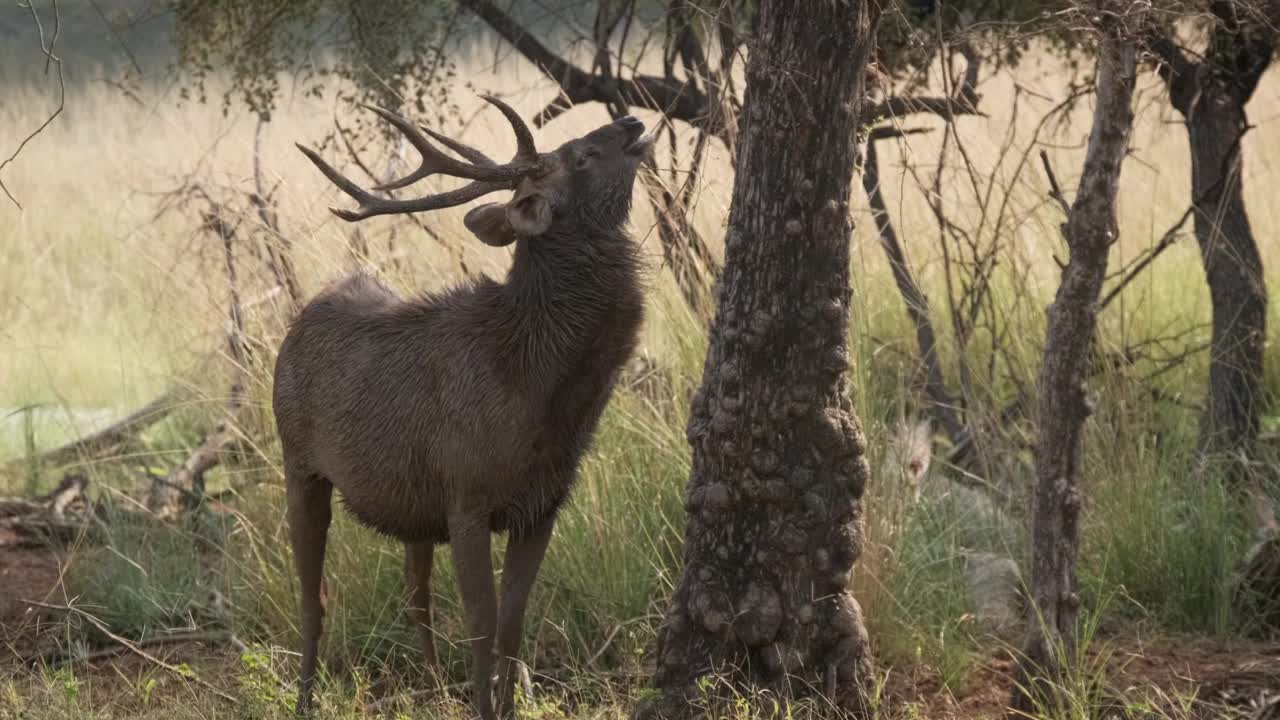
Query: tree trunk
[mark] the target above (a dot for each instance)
(1090, 229)
(774, 496)
(1233, 268)
(1211, 95)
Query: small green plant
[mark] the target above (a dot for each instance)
(538, 708)
(70, 685)
(261, 686)
(145, 689)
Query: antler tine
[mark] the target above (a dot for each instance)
(465, 151)
(434, 161)
(371, 205)
(525, 147)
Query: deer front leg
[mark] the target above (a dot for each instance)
(418, 559)
(524, 557)
(469, 540)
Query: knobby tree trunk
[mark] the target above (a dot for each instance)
(774, 496)
(1211, 95)
(1090, 229)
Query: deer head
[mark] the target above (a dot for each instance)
(582, 186)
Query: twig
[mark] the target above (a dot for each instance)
(115, 34)
(942, 405)
(962, 101)
(1166, 241)
(133, 647)
(1055, 190)
(608, 640)
(279, 247)
(382, 702)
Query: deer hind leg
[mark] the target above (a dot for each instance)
(418, 559)
(519, 568)
(309, 514)
(469, 540)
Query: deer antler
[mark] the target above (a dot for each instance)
(488, 176)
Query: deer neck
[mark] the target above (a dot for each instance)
(574, 299)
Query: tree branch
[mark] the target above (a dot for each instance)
(1055, 190)
(675, 99)
(964, 101)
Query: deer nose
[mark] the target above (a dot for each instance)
(628, 120)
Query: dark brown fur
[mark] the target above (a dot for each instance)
(450, 416)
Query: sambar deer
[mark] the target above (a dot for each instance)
(451, 416)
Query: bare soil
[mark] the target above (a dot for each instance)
(26, 574)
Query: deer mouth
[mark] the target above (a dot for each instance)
(641, 145)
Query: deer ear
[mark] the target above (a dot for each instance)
(529, 213)
(489, 223)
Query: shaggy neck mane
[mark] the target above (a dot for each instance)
(566, 293)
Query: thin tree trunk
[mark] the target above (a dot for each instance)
(1090, 229)
(1211, 95)
(1233, 268)
(779, 467)
(942, 407)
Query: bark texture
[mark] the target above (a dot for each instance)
(1211, 95)
(774, 496)
(1090, 230)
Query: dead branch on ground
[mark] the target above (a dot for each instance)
(133, 647)
(60, 516)
(112, 437)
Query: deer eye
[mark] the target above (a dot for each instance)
(587, 158)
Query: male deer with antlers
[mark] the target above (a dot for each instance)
(451, 416)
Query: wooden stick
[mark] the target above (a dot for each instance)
(57, 658)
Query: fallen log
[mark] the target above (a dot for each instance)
(122, 431)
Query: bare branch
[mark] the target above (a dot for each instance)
(1209, 196)
(675, 99)
(962, 101)
(1055, 190)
